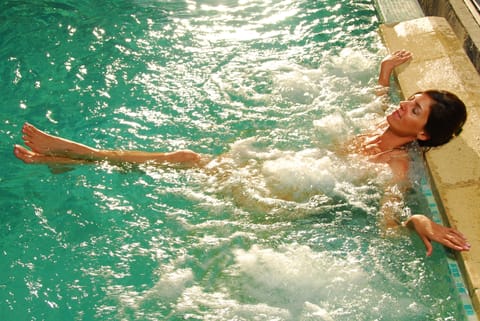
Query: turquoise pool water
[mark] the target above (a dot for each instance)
(283, 229)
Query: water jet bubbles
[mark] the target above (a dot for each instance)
(333, 125)
(354, 63)
(296, 274)
(301, 175)
(297, 87)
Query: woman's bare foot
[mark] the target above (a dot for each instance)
(43, 143)
(31, 157)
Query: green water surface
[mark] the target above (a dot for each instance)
(288, 232)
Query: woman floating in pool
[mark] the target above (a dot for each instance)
(431, 118)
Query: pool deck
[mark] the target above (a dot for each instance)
(440, 62)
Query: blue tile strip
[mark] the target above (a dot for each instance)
(455, 272)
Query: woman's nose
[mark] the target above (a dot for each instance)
(405, 104)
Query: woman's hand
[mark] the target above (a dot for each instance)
(430, 231)
(397, 58)
(389, 63)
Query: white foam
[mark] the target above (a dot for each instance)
(354, 62)
(297, 268)
(220, 306)
(170, 286)
(264, 179)
(296, 86)
(316, 313)
(297, 275)
(245, 150)
(300, 175)
(334, 126)
(289, 283)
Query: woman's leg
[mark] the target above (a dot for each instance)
(60, 149)
(30, 157)
(43, 143)
(137, 157)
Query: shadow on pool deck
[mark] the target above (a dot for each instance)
(440, 62)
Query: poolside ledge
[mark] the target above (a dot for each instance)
(440, 62)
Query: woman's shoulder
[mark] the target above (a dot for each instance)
(399, 161)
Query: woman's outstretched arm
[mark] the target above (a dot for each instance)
(393, 202)
(426, 229)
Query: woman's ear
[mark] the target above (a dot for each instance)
(423, 136)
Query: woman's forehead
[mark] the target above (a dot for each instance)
(421, 97)
(418, 94)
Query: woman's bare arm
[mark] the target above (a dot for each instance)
(389, 63)
(392, 205)
(429, 232)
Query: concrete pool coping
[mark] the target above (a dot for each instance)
(440, 62)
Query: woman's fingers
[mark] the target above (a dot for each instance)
(457, 239)
(428, 245)
(431, 231)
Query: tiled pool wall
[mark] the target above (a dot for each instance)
(464, 18)
(453, 266)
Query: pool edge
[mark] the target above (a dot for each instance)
(441, 62)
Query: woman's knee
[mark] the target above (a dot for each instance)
(186, 156)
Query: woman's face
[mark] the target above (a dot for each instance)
(410, 118)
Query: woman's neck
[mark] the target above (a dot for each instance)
(379, 140)
(388, 140)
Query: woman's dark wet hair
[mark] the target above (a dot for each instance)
(447, 116)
